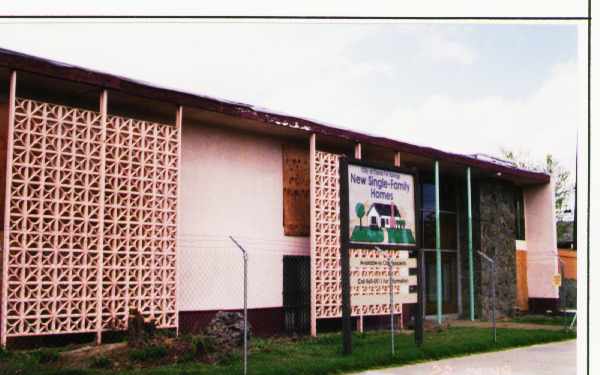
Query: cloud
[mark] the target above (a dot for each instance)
(441, 49)
(540, 123)
(397, 80)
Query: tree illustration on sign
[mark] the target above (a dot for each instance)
(360, 211)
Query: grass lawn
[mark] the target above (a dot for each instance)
(319, 355)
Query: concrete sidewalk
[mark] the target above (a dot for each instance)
(545, 359)
(501, 324)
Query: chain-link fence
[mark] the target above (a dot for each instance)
(267, 280)
(211, 278)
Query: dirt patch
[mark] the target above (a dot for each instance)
(87, 352)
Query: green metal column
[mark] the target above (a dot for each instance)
(470, 247)
(438, 251)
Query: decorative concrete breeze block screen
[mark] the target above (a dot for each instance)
(92, 229)
(326, 242)
(326, 251)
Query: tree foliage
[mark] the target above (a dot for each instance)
(562, 177)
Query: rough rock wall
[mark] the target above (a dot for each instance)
(497, 231)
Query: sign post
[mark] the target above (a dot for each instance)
(420, 314)
(345, 262)
(379, 208)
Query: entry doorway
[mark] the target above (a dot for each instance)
(449, 235)
(449, 283)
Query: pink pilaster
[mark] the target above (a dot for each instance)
(179, 126)
(313, 234)
(5, 238)
(103, 118)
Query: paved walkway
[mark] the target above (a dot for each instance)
(545, 359)
(478, 324)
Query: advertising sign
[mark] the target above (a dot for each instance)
(370, 280)
(381, 206)
(378, 210)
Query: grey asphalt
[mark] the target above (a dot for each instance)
(546, 359)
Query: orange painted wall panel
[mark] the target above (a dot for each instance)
(569, 258)
(522, 291)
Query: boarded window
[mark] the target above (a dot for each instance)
(296, 191)
(522, 288)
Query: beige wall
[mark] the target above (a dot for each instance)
(540, 234)
(231, 185)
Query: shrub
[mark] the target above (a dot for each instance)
(101, 362)
(203, 345)
(44, 355)
(4, 354)
(148, 353)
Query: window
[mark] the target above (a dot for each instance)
(519, 215)
(448, 229)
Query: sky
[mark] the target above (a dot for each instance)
(468, 88)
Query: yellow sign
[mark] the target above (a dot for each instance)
(556, 280)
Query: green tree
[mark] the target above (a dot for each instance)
(562, 177)
(360, 211)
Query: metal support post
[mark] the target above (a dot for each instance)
(493, 263)
(245, 254)
(391, 286)
(561, 296)
(470, 247)
(438, 251)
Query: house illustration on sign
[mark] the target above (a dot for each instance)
(381, 215)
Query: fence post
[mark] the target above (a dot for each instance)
(390, 271)
(561, 296)
(494, 298)
(391, 303)
(245, 255)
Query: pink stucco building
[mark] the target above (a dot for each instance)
(120, 195)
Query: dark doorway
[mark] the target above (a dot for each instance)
(296, 294)
(449, 287)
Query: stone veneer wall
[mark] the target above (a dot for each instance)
(497, 231)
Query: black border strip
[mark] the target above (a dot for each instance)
(281, 17)
(589, 174)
